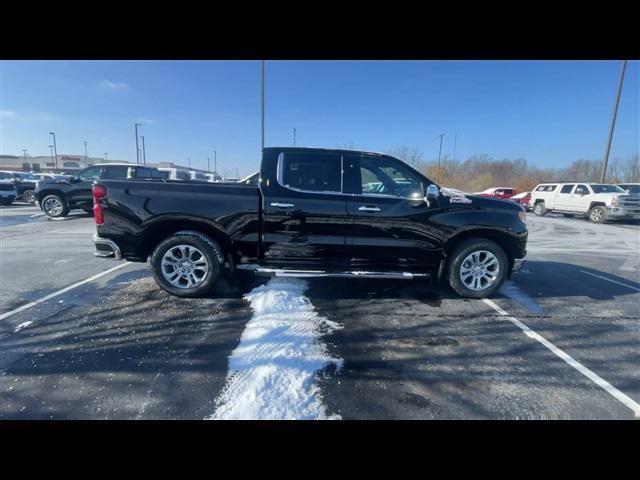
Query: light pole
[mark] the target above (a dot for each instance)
(188, 162)
(105, 156)
(262, 106)
(215, 161)
(86, 156)
(144, 151)
(294, 137)
(439, 154)
(137, 147)
(455, 141)
(55, 148)
(51, 148)
(24, 152)
(614, 114)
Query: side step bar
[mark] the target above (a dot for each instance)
(283, 272)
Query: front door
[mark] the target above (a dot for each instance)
(392, 228)
(80, 193)
(563, 198)
(305, 213)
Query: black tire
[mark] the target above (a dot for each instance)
(539, 209)
(598, 214)
(210, 250)
(29, 196)
(568, 215)
(461, 252)
(57, 213)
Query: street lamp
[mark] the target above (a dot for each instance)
(55, 148)
(144, 152)
(137, 147)
(105, 156)
(51, 148)
(86, 157)
(24, 152)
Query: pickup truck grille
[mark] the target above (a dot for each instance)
(7, 187)
(629, 201)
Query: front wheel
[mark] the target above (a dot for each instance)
(539, 209)
(187, 264)
(29, 196)
(598, 215)
(54, 206)
(478, 268)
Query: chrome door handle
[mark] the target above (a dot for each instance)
(282, 205)
(369, 209)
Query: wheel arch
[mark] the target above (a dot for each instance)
(507, 242)
(50, 191)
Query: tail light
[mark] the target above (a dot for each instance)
(99, 192)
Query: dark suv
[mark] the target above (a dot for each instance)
(57, 197)
(25, 184)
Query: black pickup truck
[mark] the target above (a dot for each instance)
(57, 196)
(315, 212)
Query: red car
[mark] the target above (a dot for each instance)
(498, 192)
(523, 199)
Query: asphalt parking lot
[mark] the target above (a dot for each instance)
(560, 341)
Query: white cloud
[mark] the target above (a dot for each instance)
(113, 86)
(7, 113)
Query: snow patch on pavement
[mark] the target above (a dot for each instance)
(273, 370)
(21, 326)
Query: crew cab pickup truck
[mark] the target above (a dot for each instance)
(311, 216)
(599, 202)
(56, 197)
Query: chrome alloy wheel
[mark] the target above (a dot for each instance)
(596, 215)
(479, 270)
(184, 266)
(53, 206)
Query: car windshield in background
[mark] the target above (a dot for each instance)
(26, 176)
(606, 189)
(632, 188)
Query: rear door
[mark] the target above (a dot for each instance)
(392, 228)
(80, 192)
(563, 200)
(305, 212)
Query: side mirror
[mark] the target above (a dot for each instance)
(433, 192)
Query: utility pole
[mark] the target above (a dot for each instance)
(455, 141)
(439, 154)
(294, 137)
(137, 147)
(55, 147)
(262, 106)
(144, 151)
(613, 121)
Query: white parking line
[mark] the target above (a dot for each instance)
(612, 281)
(60, 292)
(610, 389)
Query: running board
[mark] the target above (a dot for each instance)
(283, 272)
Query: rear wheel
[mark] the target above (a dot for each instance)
(29, 196)
(54, 206)
(539, 209)
(478, 268)
(187, 264)
(598, 215)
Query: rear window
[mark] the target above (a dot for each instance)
(313, 172)
(546, 188)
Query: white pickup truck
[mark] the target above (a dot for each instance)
(599, 202)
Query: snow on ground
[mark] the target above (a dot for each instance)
(272, 371)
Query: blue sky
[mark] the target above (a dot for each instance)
(550, 113)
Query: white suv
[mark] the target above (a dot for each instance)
(599, 202)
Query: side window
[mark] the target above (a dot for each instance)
(582, 190)
(383, 176)
(312, 171)
(90, 174)
(115, 173)
(566, 188)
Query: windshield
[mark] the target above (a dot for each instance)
(631, 188)
(606, 189)
(26, 176)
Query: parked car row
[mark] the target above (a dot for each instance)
(24, 183)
